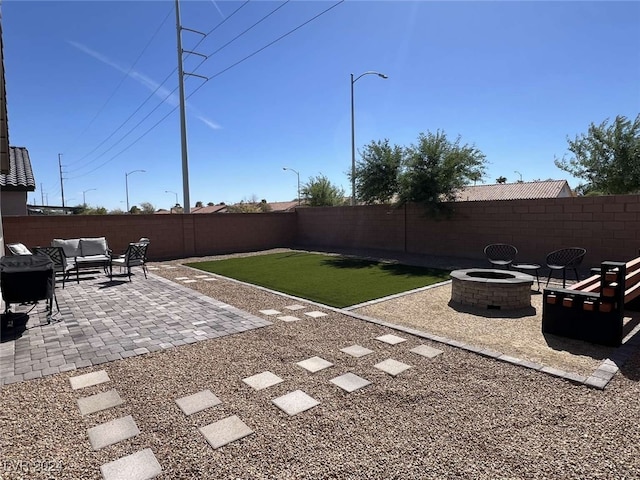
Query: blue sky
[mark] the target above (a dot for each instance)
(513, 78)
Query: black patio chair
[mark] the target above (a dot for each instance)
(61, 264)
(500, 254)
(563, 259)
(134, 256)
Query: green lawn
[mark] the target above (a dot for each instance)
(332, 280)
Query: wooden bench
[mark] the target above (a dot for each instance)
(593, 309)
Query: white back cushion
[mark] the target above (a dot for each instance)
(71, 247)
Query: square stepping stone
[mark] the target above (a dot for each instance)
(197, 402)
(182, 278)
(350, 382)
(225, 431)
(356, 351)
(288, 318)
(314, 364)
(391, 339)
(262, 380)
(426, 351)
(112, 432)
(142, 465)
(270, 312)
(392, 367)
(315, 314)
(89, 379)
(295, 307)
(99, 401)
(295, 402)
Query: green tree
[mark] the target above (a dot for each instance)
(320, 192)
(198, 204)
(210, 204)
(378, 171)
(607, 158)
(501, 180)
(116, 211)
(134, 210)
(147, 208)
(436, 168)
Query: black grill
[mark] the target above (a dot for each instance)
(27, 279)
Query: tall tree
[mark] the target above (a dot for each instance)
(607, 158)
(377, 172)
(436, 168)
(147, 208)
(320, 192)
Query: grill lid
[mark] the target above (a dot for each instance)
(25, 263)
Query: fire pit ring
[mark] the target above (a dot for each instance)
(491, 289)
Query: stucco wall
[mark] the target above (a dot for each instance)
(13, 203)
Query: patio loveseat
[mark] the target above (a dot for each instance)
(90, 252)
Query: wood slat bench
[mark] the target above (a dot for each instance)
(593, 309)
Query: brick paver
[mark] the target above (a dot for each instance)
(102, 321)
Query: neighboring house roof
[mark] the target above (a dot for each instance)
(283, 206)
(209, 209)
(515, 191)
(20, 176)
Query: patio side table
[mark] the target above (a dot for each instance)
(528, 268)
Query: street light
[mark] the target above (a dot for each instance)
(84, 201)
(353, 133)
(298, 175)
(126, 184)
(169, 191)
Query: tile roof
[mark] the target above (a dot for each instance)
(283, 206)
(515, 191)
(20, 176)
(209, 209)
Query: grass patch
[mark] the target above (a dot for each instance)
(332, 280)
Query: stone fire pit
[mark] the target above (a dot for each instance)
(491, 289)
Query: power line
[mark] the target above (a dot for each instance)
(124, 77)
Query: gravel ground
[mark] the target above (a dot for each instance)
(458, 415)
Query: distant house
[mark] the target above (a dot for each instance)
(283, 206)
(15, 185)
(515, 191)
(210, 209)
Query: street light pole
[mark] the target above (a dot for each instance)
(169, 191)
(298, 175)
(126, 184)
(353, 133)
(84, 200)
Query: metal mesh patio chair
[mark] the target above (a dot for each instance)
(134, 256)
(500, 254)
(563, 259)
(61, 264)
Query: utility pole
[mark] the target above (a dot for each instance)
(183, 114)
(61, 183)
(42, 194)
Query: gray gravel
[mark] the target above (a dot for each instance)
(458, 415)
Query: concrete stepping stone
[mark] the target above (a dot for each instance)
(350, 382)
(262, 380)
(270, 312)
(112, 432)
(210, 279)
(182, 278)
(225, 431)
(288, 318)
(356, 351)
(314, 364)
(201, 276)
(315, 314)
(99, 401)
(426, 351)
(89, 379)
(197, 402)
(391, 339)
(392, 367)
(295, 307)
(153, 268)
(189, 281)
(141, 465)
(295, 402)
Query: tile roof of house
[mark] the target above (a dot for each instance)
(208, 209)
(20, 176)
(515, 191)
(283, 206)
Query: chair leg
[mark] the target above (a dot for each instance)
(564, 278)
(144, 269)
